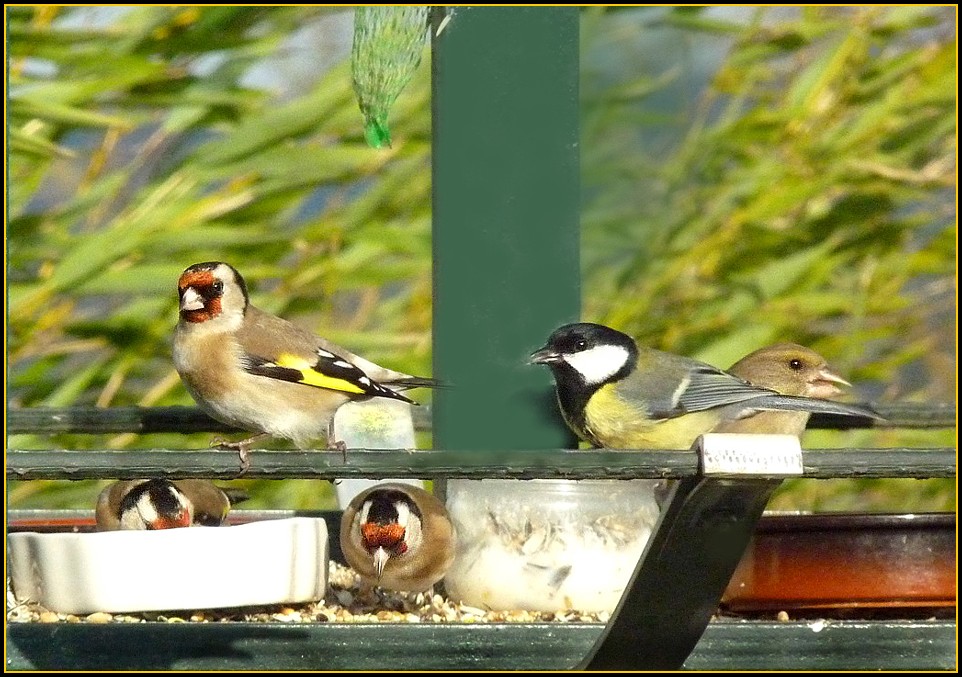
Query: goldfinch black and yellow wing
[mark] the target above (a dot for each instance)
(325, 370)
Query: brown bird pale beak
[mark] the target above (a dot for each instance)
(191, 300)
(381, 557)
(826, 384)
(544, 356)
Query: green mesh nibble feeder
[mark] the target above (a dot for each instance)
(388, 43)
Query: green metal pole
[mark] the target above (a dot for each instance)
(506, 219)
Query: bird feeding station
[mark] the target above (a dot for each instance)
(506, 272)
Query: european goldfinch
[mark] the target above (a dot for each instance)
(788, 369)
(617, 394)
(161, 504)
(261, 373)
(398, 537)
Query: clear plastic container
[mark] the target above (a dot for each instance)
(547, 545)
(377, 423)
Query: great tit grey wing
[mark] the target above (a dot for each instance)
(709, 388)
(814, 405)
(665, 385)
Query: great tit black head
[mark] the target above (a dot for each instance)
(593, 354)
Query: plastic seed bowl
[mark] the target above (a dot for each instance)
(265, 562)
(547, 545)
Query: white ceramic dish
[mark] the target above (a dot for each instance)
(266, 562)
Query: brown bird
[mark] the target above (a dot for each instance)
(398, 537)
(259, 372)
(161, 504)
(788, 369)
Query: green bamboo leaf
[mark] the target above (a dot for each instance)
(680, 18)
(828, 66)
(724, 352)
(271, 127)
(213, 237)
(27, 107)
(76, 384)
(25, 39)
(21, 142)
(151, 278)
(296, 165)
(812, 304)
(776, 277)
(897, 19)
(128, 74)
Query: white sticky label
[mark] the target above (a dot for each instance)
(750, 454)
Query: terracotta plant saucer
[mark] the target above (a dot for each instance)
(847, 561)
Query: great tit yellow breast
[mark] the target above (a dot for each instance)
(617, 423)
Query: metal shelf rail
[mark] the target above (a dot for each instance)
(663, 622)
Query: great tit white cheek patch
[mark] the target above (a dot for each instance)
(598, 364)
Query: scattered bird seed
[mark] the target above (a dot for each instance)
(344, 603)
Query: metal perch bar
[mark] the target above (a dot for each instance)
(530, 464)
(94, 420)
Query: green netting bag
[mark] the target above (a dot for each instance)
(388, 42)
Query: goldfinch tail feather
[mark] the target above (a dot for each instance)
(415, 382)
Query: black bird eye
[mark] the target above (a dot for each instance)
(218, 286)
(581, 345)
(795, 364)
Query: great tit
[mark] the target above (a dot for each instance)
(614, 393)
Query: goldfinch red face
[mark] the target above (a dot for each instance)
(390, 524)
(211, 290)
(397, 537)
(155, 504)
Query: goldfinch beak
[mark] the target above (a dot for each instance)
(381, 557)
(544, 356)
(826, 384)
(191, 300)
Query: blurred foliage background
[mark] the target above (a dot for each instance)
(749, 175)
